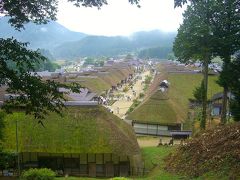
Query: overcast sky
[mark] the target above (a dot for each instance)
(120, 17)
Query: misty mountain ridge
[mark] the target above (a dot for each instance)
(115, 45)
(66, 44)
(44, 36)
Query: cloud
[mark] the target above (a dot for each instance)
(120, 17)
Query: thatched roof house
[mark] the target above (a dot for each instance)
(86, 141)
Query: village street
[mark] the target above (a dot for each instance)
(121, 106)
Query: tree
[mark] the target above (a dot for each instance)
(226, 30)
(16, 66)
(198, 93)
(224, 23)
(194, 42)
(234, 87)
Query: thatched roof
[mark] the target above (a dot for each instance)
(81, 130)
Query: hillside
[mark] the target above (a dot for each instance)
(116, 45)
(93, 46)
(215, 152)
(155, 52)
(44, 36)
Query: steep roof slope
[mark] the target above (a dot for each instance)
(171, 106)
(80, 130)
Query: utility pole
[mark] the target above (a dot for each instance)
(18, 159)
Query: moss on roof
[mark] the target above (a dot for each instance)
(80, 130)
(96, 85)
(172, 107)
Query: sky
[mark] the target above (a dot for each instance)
(119, 17)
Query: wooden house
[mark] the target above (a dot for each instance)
(216, 103)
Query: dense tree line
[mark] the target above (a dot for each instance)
(210, 28)
(157, 52)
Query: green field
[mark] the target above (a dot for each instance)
(172, 107)
(154, 161)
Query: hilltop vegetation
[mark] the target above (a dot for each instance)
(112, 46)
(156, 52)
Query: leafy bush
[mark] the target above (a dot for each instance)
(130, 109)
(7, 159)
(119, 178)
(141, 95)
(38, 174)
(148, 79)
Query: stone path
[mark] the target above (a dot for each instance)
(121, 106)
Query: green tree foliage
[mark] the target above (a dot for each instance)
(94, 61)
(38, 97)
(148, 79)
(226, 30)
(194, 42)
(46, 66)
(38, 174)
(17, 62)
(198, 93)
(157, 52)
(224, 25)
(171, 56)
(129, 57)
(89, 61)
(234, 86)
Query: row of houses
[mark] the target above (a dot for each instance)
(96, 82)
(87, 140)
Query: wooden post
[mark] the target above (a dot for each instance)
(18, 158)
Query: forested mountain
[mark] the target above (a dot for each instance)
(110, 46)
(44, 36)
(59, 42)
(155, 38)
(155, 52)
(94, 46)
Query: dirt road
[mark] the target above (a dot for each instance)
(121, 106)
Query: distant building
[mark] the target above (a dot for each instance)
(216, 103)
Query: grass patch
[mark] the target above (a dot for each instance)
(136, 102)
(154, 161)
(153, 156)
(77, 178)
